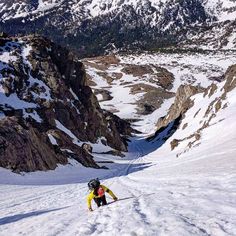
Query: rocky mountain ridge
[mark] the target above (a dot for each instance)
(46, 104)
(95, 27)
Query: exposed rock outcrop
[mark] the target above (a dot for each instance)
(44, 86)
(181, 104)
(27, 149)
(230, 77)
(93, 27)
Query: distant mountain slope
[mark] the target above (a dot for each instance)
(94, 27)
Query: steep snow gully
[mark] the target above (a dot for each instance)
(159, 194)
(159, 191)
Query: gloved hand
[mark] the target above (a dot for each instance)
(90, 209)
(115, 198)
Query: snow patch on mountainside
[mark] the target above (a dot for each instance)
(231, 41)
(6, 58)
(10, 53)
(194, 68)
(100, 7)
(147, 124)
(46, 5)
(223, 10)
(22, 9)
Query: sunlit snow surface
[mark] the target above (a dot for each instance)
(160, 194)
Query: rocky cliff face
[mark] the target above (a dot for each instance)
(213, 100)
(24, 148)
(43, 88)
(230, 76)
(181, 104)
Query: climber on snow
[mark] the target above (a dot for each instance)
(97, 192)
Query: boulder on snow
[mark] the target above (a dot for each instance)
(87, 147)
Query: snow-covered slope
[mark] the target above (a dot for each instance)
(223, 10)
(23, 8)
(187, 191)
